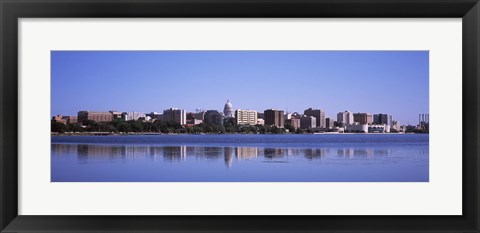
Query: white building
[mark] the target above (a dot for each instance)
(345, 117)
(356, 128)
(228, 109)
(246, 117)
(379, 128)
(134, 115)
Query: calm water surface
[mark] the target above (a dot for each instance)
(241, 158)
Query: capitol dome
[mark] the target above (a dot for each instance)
(228, 109)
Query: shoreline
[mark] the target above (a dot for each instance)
(157, 134)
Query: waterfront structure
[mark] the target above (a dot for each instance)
(228, 109)
(175, 114)
(213, 117)
(363, 118)
(274, 117)
(318, 114)
(94, 116)
(308, 122)
(381, 118)
(294, 122)
(134, 115)
(357, 128)
(329, 123)
(246, 117)
(345, 118)
(374, 128)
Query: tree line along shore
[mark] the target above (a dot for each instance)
(119, 126)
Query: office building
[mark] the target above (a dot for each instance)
(294, 122)
(213, 117)
(318, 114)
(118, 115)
(246, 117)
(345, 118)
(329, 123)
(363, 118)
(94, 116)
(308, 122)
(382, 119)
(175, 114)
(273, 117)
(134, 115)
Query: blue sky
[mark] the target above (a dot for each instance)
(394, 82)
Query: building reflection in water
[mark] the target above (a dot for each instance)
(351, 153)
(272, 153)
(174, 153)
(93, 152)
(243, 153)
(316, 153)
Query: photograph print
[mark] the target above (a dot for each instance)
(240, 116)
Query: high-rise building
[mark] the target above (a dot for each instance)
(228, 109)
(294, 122)
(329, 122)
(363, 118)
(246, 117)
(382, 119)
(345, 118)
(274, 117)
(94, 116)
(213, 117)
(308, 122)
(396, 126)
(318, 114)
(175, 114)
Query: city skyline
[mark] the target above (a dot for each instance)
(396, 82)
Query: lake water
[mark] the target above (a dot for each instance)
(241, 158)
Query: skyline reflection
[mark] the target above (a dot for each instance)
(94, 152)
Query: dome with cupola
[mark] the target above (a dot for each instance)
(228, 109)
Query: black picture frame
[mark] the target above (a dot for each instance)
(12, 10)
